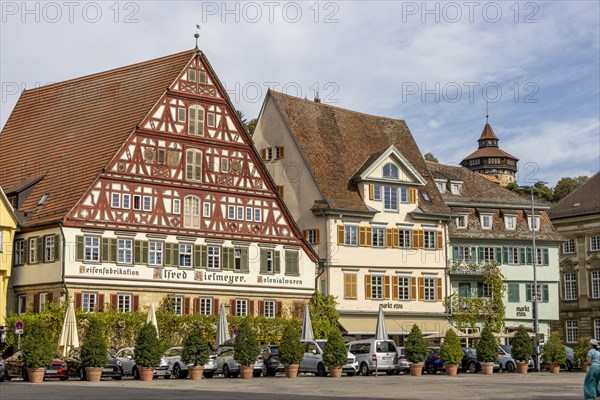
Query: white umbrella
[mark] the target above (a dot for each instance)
(307, 330)
(222, 327)
(68, 337)
(381, 330)
(152, 318)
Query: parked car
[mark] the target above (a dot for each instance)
(569, 364)
(3, 371)
(312, 362)
(433, 362)
(470, 363)
(112, 369)
(179, 369)
(15, 368)
(374, 355)
(271, 357)
(230, 368)
(506, 360)
(127, 357)
(403, 364)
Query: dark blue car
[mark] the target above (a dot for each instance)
(433, 363)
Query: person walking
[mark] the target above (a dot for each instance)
(591, 385)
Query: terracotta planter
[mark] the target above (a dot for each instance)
(335, 371)
(522, 367)
(195, 372)
(585, 367)
(451, 369)
(246, 371)
(146, 373)
(554, 368)
(291, 371)
(487, 368)
(36, 375)
(93, 374)
(416, 369)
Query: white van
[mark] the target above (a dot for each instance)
(312, 361)
(375, 355)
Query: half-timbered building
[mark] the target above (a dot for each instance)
(141, 183)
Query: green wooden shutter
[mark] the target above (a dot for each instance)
(479, 289)
(522, 256)
(545, 293)
(56, 247)
(277, 261)
(137, 252)
(454, 253)
(505, 255)
(263, 261)
(513, 292)
(78, 249)
(545, 256)
(204, 256)
(474, 254)
(480, 254)
(175, 255)
(105, 250)
(245, 260)
(528, 292)
(168, 253)
(464, 289)
(113, 251)
(39, 254)
(529, 253)
(144, 250)
(197, 256)
(498, 255)
(226, 257)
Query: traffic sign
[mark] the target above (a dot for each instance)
(19, 325)
(18, 331)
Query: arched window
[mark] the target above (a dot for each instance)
(191, 212)
(390, 171)
(196, 120)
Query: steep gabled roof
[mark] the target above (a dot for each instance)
(488, 132)
(69, 131)
(584, 200)
(336, 142)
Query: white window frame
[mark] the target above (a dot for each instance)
(230, 212)
(269, 310)
(89, 302)
(487, 218)
(124, 302)
(155, 253)
(206, 306)
(570, 280)
(461, 222)
(116, 200)
(237, 259)
(176, 207)
(257, 215)
(429, 239)
(19, 252)
(49, 248)
(568, 246)
(512, 225)
(377, 192)
(350, 235)
(597, 329)
(224, 165)
(42, 300)
(405, 238)
(241, 307)
(213, 257)
(539, 256)
(489, 254)
(193, 165)
(441, 187)
(211, 119)
(125, 201)
(249, 214)
(32, 250)
(537, 222)
(181, 114)
(137, 202)
(186, 255)
(21, 304)
(571, 331)
(177, 302)
(455, 188)
(147, 203)
(403, 288)
(513, 256)
(270, 261)
(429, 288)
(91, 248)
(393, 172)
(377, 287)
(378, 236)
(595, 280)
(311, 236)
(191, 212)
(240, 213)
(206, 209)
(595, 243)
(390, 198)
(124, 251)
(464, 253)
(195, 121)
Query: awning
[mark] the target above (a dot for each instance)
(396, 325)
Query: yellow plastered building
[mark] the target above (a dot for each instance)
(8, 226)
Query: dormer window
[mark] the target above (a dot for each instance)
(441, 187)
(461, 221)
(456, 188)
(486, 221)
(390, 171)
(536, 222)
(510, 222)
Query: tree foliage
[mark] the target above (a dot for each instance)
(291, 349)
(195, 347)
(323, 314)
(93, 346)
(251, 126)
(430, 157)
(566, 186)
(554, 351)
(147, 347)
(335, 353)
(245, 346)
(581, 349)
(415, 346)
(487, 346)
(37, 346)
(451, 349)
(563, 188)
(521, 345)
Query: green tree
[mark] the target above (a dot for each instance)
(37, 345)
(323, 314)
(291, 349)
(245, 346)
(487, 347)
(554, 351)
(195, 348)
(334, 351)
(148, 349)
(451, 349)
(415, 347)
(430, 157)
(93, 346)
(241, 116)
(251, 126)
(581, 349)
(566, 186)
(521, 345)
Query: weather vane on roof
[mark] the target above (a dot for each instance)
(487, 114)
(197, 35)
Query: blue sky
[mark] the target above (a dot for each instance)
(425, 62)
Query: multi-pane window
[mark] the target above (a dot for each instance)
(429, 239)
(405, 238)
(390, 171)
(185, 254)
(21, 304)
(351, 235)
(224, 165)
(214, 257)
(536, 221)
(181, 114)
(191, 212)
(270, 308)
(543, 294)
(464, 289)
(539, 256)
(241, 308)
(378, 237)
(441, 187)
(377, 287)
(456, 188)
(126, 204)
(257, 215)
(88, 302)
(91, 249)
(572, 330)
(196, 121)
(193, 165)
(597, 329)
(461, 221)
(403, 288)
(429, 289)
(488, 254)
(32, 250)
(206, 210)
(147, 203)
(311, 236)
(569, 246)
(486, 221)
(42, 299)
(206, 306)
(595, 284)
(19, 252)
(240, 213)
(487, 290)
(510, 222)
(155, 250)
(269, 261)
(137, 202)
(177, 303)
(570, 280)
(124, 303)
(116, 200)
(595, 243)
(513, 255)
(210, 119)
(249, 214)
(463, 253)
(230, 212)
(124, 251)
(176, 206)
(49, 248)
(390, 198)
(404, 195)
(237, 257)
(377, 192)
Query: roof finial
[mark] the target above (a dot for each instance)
(487, 114)
(317, 98)
(197, 35)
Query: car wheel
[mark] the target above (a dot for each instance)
(510, 367)
(208, 375)
(117, 378)
(321, 370)
(256, 374)
(63, 378)
(364, 369)
(568, 365)
(82, 374)
(431, 369)
(350, 373)
(136, 373)
(167, 376)
(25, 375)
(390, 372)
(226, 373)
(177, 371)
(472, 367)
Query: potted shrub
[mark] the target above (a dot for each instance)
(555, 353)
(37, 348)
(245, 349)
(291, 350)
(451, 352)
(335, 354)
(93, 350)
(416, 351)
(580, 352)
(147, 351)
(195, 352)
(521, 349)
(487, 350)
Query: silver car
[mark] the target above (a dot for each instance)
(312, 362)
(403, 364)
(179, 369)
(127, 357)
(230, 368)
(375, 355)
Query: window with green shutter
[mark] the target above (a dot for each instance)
(291, 262)
(78, 248)
(277, 262)
(464, 289)
(513, 292)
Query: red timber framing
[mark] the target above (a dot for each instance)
(190, 144)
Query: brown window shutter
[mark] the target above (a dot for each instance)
(251, 308)
(417, 238)
(386, 287)
(261, 308)
(396, 233)
(136, 303)
(196, 305)
(438, 288)
(50, 297)
(114, 302)
(278, 308)
(232, 307)
(395, 287)
(341, 234)
(281, 190)
(413, 288)
(362, 235)
(318, 236)
(369, 236)
(413, 195)
(305, 234)
(263, 154)
(440, 240)
(389, 237)
(371, 191)
(36, 302)
(347, 286)
(100, 305)
(78, 300)
(300, 306)
(281, 152)
(215, 306)
(421, 288)
(186, 305)
(368, 287)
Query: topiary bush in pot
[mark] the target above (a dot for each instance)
(148, 349)
(555, 353)
(93, 350)
(487, 350)
(580, 352)
(196, 351)
(291, 350)
(451, 352)
(335, 354)
(416, 350)
(37, 348)
(245, 349)
(521, 349)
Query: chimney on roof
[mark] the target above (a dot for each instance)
(317, 98)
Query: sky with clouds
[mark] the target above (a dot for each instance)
(431, 63)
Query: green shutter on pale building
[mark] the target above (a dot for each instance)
(513, 292)
(78, 249)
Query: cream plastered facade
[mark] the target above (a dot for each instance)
(8, 226)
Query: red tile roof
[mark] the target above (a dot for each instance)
(488, 132)
(489, 152)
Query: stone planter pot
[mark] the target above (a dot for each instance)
(291, 371)
(335, 371)
(487, 368)
(195, 372)
(585, 367)
(416, 369)
(93, 374)
(451, 369)
(146, 373)
(246, 371)
(522, 367)
(36, 375)
(554, 368)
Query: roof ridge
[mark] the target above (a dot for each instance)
(577, 190)
(107, 72)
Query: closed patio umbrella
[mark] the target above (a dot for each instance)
(380, 329)
(222, 327)
(69, 338)
(307, 330)
(151, 319)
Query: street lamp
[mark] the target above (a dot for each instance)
(534, 290)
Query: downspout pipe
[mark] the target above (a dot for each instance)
(63, 262)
